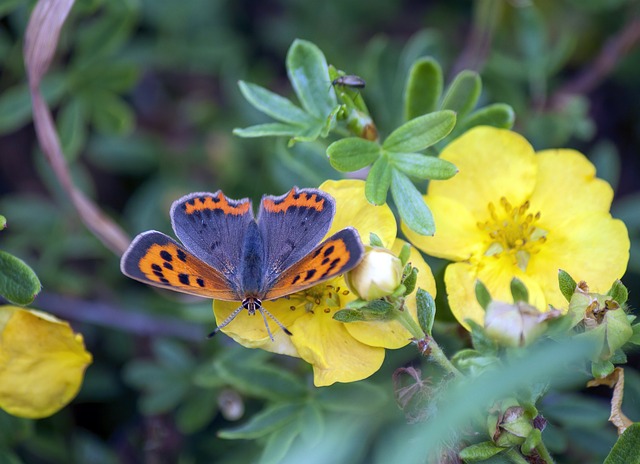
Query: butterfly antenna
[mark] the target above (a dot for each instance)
(226, 321)
(284, 329)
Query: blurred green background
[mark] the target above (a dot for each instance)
(145, 98)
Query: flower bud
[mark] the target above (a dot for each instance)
(600, 317)
(378, 274)
(515, 324)
(510, 424)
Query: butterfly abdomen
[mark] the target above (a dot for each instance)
(252, 262)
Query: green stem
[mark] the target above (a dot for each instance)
(516, 457)
(544, 453)
(439, 357)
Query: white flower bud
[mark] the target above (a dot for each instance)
(378, 274)
(515, 324)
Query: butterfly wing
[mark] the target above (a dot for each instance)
(291, 226)
(156, 259)
(338, 254)
(212, 227)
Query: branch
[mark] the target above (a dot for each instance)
(107, 315)
(41, 40)
(611, 53)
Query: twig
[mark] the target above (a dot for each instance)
(611, 53)
(41, 40)
(107, 315)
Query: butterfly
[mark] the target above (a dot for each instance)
(227, 254)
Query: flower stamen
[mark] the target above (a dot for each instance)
(513, 231)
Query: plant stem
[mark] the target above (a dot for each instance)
(516, 457)
(544, 453)
(439, 357)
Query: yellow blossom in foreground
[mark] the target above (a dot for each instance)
(511, 212)
(42, 362)
(338, 352)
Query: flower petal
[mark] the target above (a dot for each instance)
(353, 209)
(492, 163)
(457, 236)
(42, 362)
(591, 246)
(334, 354)
(496, 274)
(251, 332)
(392, 334)
(567, 185)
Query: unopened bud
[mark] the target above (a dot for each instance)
(379, 274)
(515, 324)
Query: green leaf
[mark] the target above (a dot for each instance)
(601, 369)
(625, 451)
(421, 132)
(262, 380)
(272, 104)
(498, 115)
(352, 153)
(479, 451)
(19, 284)
(311, 424)
(482, 294)
(619, 292)
(404, 254)
(173, 355)
(423, 166)
(270, 129)
(110, 114)
(279, 443)
(423, 89)
(377, 306)
(426, 310)
(480, 340)
(308, 72)
(410, 281)
(359, 398)
(567, 284)
(15, 102)
(3, 222)
(533, 439)
(268, 420)
(463, 93)
(349, 315)
(72, 128)
(378, 181)
(198, 410)
(519, 291)
(374, 240)
(411, 206)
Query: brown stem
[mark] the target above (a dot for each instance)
(611, 53)
(41, 40)
(107, 315)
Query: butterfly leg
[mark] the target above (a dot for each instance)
(227, 320)
(264, 312)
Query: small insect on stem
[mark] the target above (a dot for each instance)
(355, 82)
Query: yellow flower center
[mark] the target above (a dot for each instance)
(324, 297)
(513, 232)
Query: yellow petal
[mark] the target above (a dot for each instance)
(492, 163)
(567, 185)
(392, 334)
(334, 354)
(590, 246)
(457, 236)
(496, 274)
(42, 362)
(251, 332)
(353, 209)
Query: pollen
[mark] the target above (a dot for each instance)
(327, 297)
(513, 231)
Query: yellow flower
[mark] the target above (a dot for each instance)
(511, 212)
(42, 362)
(338, 352)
